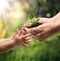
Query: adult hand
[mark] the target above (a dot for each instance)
(48, 27)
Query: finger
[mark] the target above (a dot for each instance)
(26, 45)
(35, 37)
(17, 31)
(22, 32)
(29, 37)
(44, 20)
(26, 25)
(25, 36)
(40, 36)
(26, 30)
(29, 30)
(34, 31)
(27, 42)
(15, 36)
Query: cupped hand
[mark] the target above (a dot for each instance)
(48, 27)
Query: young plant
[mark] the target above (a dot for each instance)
(33, 21)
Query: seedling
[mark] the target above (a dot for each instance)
(33, 21)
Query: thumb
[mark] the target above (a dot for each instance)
(44, 20)
(26, 30)
(32, 30)
(16, 33)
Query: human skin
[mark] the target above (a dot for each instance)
(17, 40)
(47, 28)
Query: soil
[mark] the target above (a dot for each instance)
(35, 25)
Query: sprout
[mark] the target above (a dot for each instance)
(33, 21)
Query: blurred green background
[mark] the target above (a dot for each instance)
(16, 16)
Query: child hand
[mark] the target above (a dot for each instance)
(21, 39)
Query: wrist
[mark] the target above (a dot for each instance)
(14, 44)
(56, 18)
(58, 26)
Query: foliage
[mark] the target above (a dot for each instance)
(47, 8)
(33, 20)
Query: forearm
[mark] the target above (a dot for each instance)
(6, 44)
(56, 20)
(57, 16)
(58, 27)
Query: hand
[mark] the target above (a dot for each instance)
(48, 27)
(21, 39)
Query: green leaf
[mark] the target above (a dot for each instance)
(31, 16)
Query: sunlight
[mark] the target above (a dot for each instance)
(3, 5)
